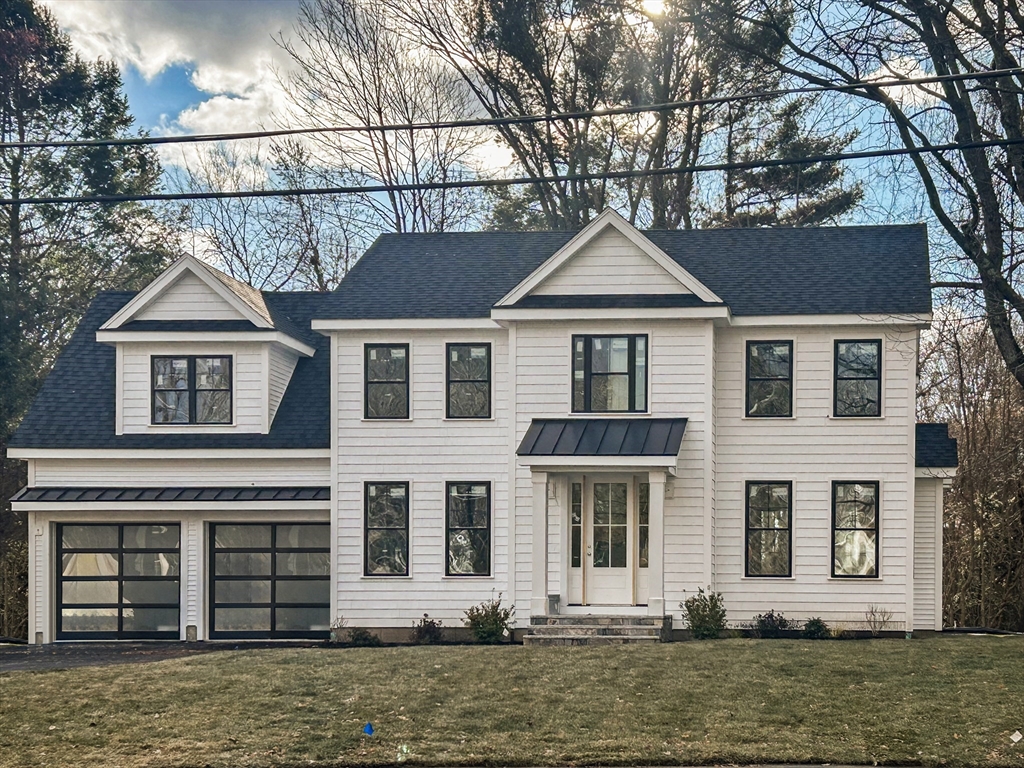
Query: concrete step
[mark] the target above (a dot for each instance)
(597, 620)
(635, 630)
(551, 640)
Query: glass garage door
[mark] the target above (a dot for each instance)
(270, 581)
(118, 582)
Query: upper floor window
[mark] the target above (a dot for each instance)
(191, 389)
(858, 384)
(769, 378)
(387, 381)
(855, 529)
(609, 374)
(469, 381)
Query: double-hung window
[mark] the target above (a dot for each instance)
(858, 378)
(468, 529)
(191, 389)
(386, 533)
(387, 381)
(855, 529)
(469, 381)
(769, 378)
(609, 374)
(769, 524)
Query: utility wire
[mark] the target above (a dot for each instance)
(514, 120)
(485, 183)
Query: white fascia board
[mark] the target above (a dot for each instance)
(87, 454)
(638, 313)
(609, 218)
(120, 507)
(919, 321)
(169, 277)
(935, 473)
(208, 337)
(598, 463)
(407, 324)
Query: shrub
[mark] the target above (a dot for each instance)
(337, 630)
(816, 629)
(361, 637)
(840, 632)
(427, 631)
(877, 619)
(770, 624)
(704, 614)
(489, 622)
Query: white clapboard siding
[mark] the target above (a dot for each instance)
(281, 365)
(926, 553)
(811, 450)
(427, 451)
(189, 299)
(610, 264)
(248, 385)
(171, 472)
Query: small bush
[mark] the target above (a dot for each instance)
(427, 631)
(360, 637)
(771, 624)
(840, 632)
(816, 629)
(489, 622)
(337, 630)
(704, 614)
(877, 618)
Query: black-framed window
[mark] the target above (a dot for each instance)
(386, 529)
(270, 580)
(769, 379)
(855, 529)
(191, 389)
(858, 378)
(387, 381)
(468, 529)
(609, 374)
(469, 381)
(118, 581)
(769, 529)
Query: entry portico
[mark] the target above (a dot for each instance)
(607, 477)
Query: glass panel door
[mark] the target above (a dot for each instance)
(609, 566)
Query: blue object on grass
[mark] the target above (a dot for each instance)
(368, 729)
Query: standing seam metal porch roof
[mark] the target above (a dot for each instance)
(603, 437)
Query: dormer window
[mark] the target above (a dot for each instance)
(191, 389)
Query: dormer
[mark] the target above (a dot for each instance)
(200, 351)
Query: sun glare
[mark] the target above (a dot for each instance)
(653, 7)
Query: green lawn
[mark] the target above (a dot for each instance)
(944, 700)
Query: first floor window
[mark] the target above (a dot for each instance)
(191, 389)
(469, 381)
(855, 529)
(387, 529)
(576, 526)
(118, 581)
(858, 382)
(769, 378)
(469, 529)
(769, 529)
(387, 381)
(609, 374)
(644, 526)
(270, 580)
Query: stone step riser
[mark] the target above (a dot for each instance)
(583, 640)
(585, 630)
(607, 621)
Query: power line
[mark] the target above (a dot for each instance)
(485, 183)
(485, 122)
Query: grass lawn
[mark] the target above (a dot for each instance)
(944, 700)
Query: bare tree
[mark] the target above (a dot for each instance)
(975, 193)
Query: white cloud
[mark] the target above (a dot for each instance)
(905, 95)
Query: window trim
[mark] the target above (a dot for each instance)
(119, 551)
(366, 381)
(747, 379)
(367, 529)
(836, 379)
(747, 530)
(588, 373)
(192, 390)
(877, 529)
(448, 379)
(490, 530)
(273, 633)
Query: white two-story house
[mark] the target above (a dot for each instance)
(591, 423)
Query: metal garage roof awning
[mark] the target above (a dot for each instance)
(173, 495)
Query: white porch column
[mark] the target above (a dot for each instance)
(539, 591)
(656, 545)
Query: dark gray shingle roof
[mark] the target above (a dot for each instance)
(785, 271)
(603, 437)
(75, 407)
(935, 448)
(290, 493)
